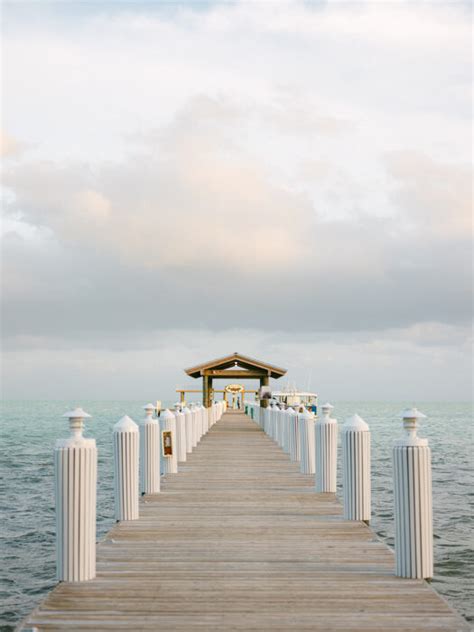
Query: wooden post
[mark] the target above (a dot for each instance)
(205, 391)
(264, 381)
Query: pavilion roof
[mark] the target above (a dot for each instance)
(239, 360)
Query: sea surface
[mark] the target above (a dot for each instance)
(30, 429)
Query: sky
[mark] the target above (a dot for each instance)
(290, 180)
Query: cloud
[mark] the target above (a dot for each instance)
(434, 196)
(9, 146)
(293, 178)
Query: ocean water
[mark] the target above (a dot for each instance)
(30, 429)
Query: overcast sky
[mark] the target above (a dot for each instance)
(290, 180)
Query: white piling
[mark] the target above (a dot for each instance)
(205, 420)
(75, 477)
(356, 469)
(126, 449)
(188, 422)
(294, 439)
(200, 409)
(149, 452)
(326, 451)
(413, 501)
(307, 446)
(285, 443)
(180, 434)
(169, 456)
(273, 422)
(192, 408)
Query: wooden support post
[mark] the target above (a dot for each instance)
(205, 391)
(264, 381)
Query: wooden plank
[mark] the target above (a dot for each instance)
(238, 540)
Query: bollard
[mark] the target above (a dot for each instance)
(149, 453)
(278, 426)
(169, 457)
(413, 501)
(326, 451)
(201, 421)
(266, 419)
(188, 422)
(307, 447)
(180, 434)
(284, 430)
(293, 434)
(192, 409)
(126, 469)
(75, 478)
(356, 469)
(205, 419)
(273, 414)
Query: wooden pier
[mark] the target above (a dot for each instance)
(239, 540)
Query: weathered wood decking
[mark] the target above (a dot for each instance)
(238, 540)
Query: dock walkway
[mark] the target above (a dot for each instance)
(239, 540)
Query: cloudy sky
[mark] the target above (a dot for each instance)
(290, 180)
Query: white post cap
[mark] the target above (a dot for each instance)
(76, 423)
(149, 407)
(186, 410)
(412, 413)
(167, 414)
(355, 423)
(78, 413)
(410, 418)
(327, 407)
(305, 414)
(126, 424)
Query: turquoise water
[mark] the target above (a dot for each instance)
(29, 431)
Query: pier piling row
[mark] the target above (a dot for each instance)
(240, 539)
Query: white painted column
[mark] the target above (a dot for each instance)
(126, 449)
(284, 430)
(356, 469)
(307, 446)
(326, 451)
(267, 419)
(413, 501)
(192, 408)
(273, 421)
(281, 426)
(75, 478)
(293, 434)
(188, 421)
(169, 456)
(180, 434)
(149, 431)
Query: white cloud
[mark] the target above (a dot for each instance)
(259, 166)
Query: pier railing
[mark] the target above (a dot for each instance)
(158, 446)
